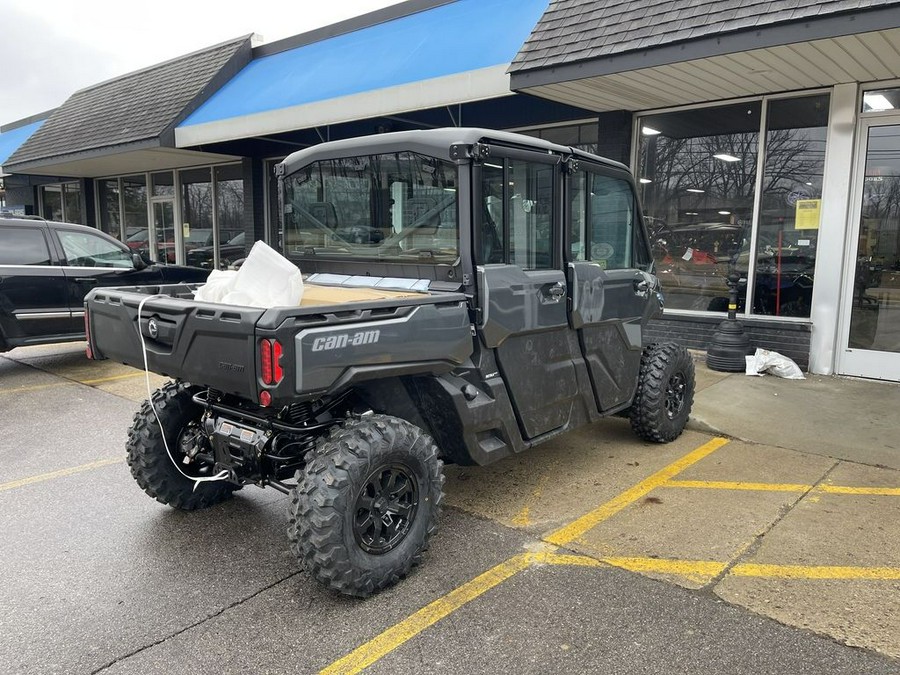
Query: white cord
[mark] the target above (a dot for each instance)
(222, 475)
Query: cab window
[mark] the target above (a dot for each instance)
(23, 246)
(603, 217)
(517, 214)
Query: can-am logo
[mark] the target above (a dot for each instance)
(363, 337)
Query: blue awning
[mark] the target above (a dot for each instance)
(11, 140)
(453, 41)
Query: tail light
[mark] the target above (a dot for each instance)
(270, 353)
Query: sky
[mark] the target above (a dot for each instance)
(49, 49)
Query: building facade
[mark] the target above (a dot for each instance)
(765, 137)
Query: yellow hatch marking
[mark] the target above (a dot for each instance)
(574, 530)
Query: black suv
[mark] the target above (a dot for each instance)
(46, 269)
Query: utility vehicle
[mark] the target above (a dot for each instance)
(468, 294)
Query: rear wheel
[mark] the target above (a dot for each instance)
(153, 468)
(665, 393)
(366, 504)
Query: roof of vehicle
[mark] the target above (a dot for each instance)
(29, 221)
(431, 142)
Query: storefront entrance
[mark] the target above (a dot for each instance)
(870, 336)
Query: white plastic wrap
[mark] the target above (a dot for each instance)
(773, 363)
(266, 279)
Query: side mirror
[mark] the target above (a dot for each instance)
(138, 261)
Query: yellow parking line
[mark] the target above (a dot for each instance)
(574, 530)
(112, 378)
(815, 572)
(782, 487)
(844, 490)
(687, 568)
(35, 387)
(58, 474)
(367, 654)
(738, 485)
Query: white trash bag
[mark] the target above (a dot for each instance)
(266, 279)
(773, 363)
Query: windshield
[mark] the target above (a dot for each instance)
(394, 207)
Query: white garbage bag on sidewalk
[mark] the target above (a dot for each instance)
(773, 363)
(266, 279)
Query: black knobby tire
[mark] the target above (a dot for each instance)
(335, 506)
(665, 393)
(151, 465)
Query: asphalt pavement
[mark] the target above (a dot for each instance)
(755, 543)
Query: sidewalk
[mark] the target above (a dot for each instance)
(847, 419)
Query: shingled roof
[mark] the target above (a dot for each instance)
(137, 110)
(572, 31)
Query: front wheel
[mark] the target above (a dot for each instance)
(366, 504)
(665, 393)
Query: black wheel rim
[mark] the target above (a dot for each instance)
(675, 391)
(385, 509)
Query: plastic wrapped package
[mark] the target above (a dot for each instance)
(266, 279)
(773, 363)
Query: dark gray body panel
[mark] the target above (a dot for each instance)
(215, 345)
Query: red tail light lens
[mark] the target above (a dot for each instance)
(277, 370)
(270, 352)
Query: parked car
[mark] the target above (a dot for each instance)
(46, 268)
(140, 241)
(229, 253)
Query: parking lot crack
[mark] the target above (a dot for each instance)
(221, 611)
(749, 550)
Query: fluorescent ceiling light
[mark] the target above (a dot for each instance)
(809, 183)
(650, 131)
(493, 166)
(646, 180)
(724, 213)
(695, 190)
(877, 102)
(725, 157)
(691, 213)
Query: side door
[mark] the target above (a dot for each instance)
(522, 287)
(612, 293)
(32, 286)
(93, 259)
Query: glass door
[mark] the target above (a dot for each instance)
(871, 317)
(162, 239)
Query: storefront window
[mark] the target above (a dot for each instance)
(51, 202)
(72, 200)
(583, 136)
(108, 206)
(788, 220)
(230, 214)
(163, 184)
(62, 202)
(134, 193)
(697, 175)
(196, 210)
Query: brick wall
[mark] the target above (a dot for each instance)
(790, 339)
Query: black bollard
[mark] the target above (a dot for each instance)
(729, 344)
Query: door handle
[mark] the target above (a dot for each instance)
(557, 290)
